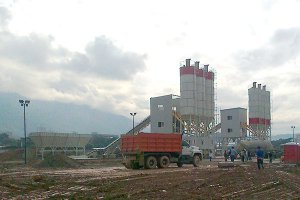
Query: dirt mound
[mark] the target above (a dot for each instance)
(57, 161)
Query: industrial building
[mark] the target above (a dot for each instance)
(259, 111)
(197, 103)
(162, 111)
(69, 143)
(193, 112)
(231, 120)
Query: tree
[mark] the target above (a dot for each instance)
(5, 140)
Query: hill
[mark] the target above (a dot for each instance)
(281, 136)
(57, 117)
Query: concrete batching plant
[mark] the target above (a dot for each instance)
(259, 112)
(196, 98)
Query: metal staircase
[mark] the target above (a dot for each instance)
(110, 149)
(254, 133)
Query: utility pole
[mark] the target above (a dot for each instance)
(133, 114)
(24, 104)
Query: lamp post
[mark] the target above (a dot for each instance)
(133, 114)
(293, 127)
(24, 104)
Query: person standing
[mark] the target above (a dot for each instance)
(232, 154)
(260, 158)
(249, 155)
(246, 155)
(225, 155)
(270, 157)
(243, 155)
(210, 155)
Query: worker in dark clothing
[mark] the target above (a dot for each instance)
(260, 157)
(232, 154)
(270, 154)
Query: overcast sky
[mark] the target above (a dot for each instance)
(115, 55)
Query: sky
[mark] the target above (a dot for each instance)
(115, 55)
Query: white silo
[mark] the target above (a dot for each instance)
(187, 90)
(197, 96)
(209, 93)
(200, 80)
(259, 111)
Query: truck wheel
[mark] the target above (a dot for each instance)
(163, 162)
(151, 162)
(196, 160)
(179, 164)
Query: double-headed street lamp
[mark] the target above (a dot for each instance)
(293, 127)
(133, 114)
(24, 103)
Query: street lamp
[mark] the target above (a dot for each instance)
(133, 114)
(293, 127)
(24, 103)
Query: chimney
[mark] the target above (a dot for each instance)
(188, 62)
(264, 87)
(206, 67)
(259, 86)
(197, 64)
(254, 84)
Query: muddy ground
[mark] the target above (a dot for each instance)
(97, 179)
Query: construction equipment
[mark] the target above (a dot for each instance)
(151, 150)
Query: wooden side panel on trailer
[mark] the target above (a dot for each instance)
(151, 142)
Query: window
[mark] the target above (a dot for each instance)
(229, 130)
(160, 107)
(229, 117)
(161, 124)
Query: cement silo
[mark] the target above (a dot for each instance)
(259, 111)
(196, 97)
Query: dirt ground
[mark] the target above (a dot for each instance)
(98, 179)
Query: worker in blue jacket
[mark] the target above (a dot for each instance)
(260, 157)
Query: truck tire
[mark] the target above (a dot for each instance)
(196, 160)
(151, 162)
(179, 164)
(163, 162)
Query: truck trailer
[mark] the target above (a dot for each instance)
(151, 150)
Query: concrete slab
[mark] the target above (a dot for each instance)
(225, 164)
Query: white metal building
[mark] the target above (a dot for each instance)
(259, 111)
(231, 126)
(162, 111)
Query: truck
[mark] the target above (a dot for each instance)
(151, 150)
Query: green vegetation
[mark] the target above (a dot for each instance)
(277, 146)
(5, 140)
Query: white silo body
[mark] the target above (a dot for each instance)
(200, 80)
(196, 95)
(259, 110)
(209, 95)
(187, 90)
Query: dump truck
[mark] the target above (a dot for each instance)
(151, 150)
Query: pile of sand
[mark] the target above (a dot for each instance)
(57, 161)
